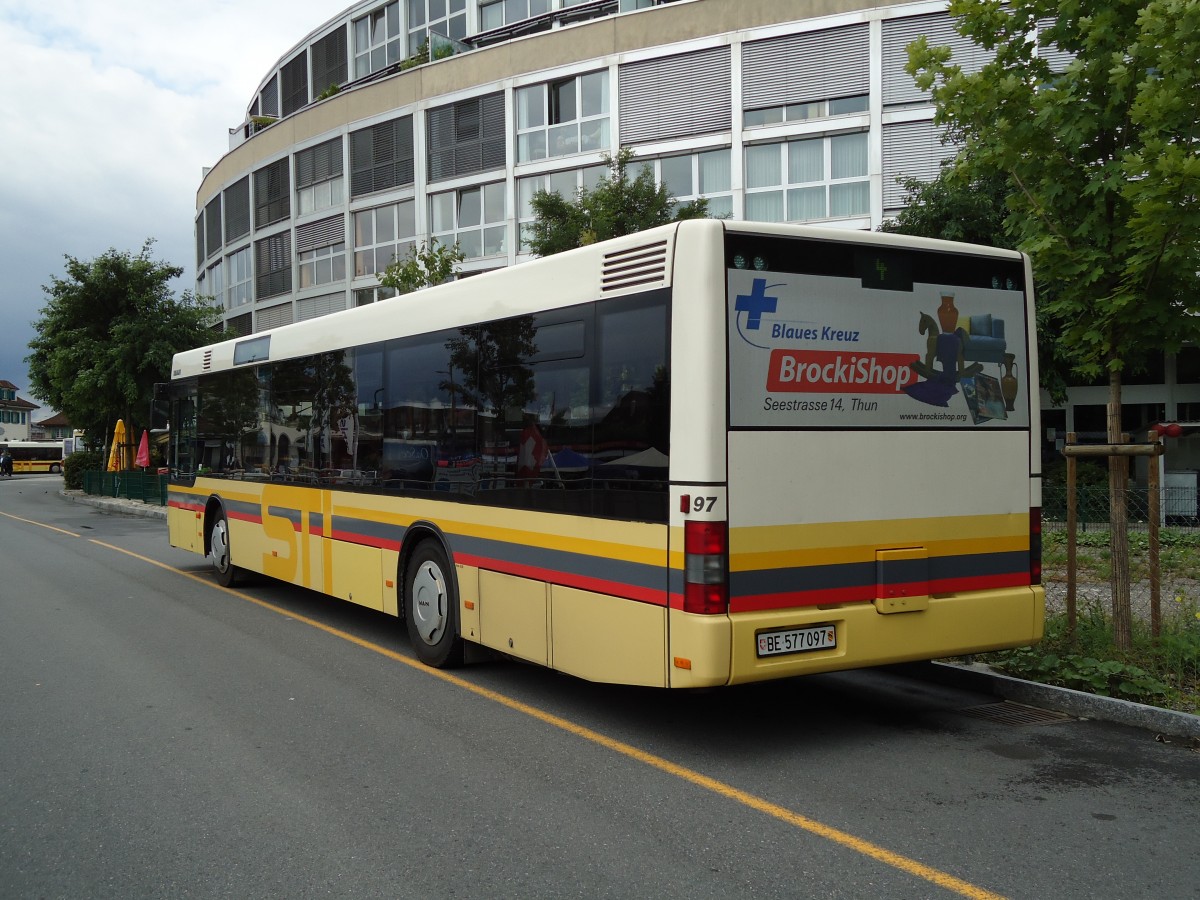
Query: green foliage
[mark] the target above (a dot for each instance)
(1088, 472)
(107, 333)
(75, 464)
(430, 264)
(958, 205)
(617, 206)
(1102, 159)
(1106, 677)
(328, 92)
(419, 57)
(1163, 671)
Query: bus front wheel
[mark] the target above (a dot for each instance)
(431, 607)
(218, 544)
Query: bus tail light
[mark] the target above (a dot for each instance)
(706, 582)
(1035, 545)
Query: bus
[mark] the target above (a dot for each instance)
(706, 454)
(35, 456)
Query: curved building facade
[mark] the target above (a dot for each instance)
(350, 152)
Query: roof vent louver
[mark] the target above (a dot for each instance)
(207, 363)
(635, 267)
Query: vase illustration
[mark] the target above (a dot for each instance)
(948, 313)
(1008, 382)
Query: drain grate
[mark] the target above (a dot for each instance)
(1014, 714)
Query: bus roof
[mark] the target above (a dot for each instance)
(630, 264)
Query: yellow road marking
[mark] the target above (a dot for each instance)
(835, 835)
(38, 524)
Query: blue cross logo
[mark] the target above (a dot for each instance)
(756, 303)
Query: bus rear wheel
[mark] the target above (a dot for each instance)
(218, 544)
(431, 607)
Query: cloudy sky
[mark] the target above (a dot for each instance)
(111, 111)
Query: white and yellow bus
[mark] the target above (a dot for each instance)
(31, 457)
(706, 454)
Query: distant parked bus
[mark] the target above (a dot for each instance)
(711, 453)
(35, 456)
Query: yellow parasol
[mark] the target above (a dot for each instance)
(115, 461)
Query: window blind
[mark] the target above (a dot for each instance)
(676, 96)
(804, 68)
(938, 29)
(911, 150)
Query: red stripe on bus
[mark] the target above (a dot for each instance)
(353, 537)
(567, 579)
(865, 593)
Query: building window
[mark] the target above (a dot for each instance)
(293, 85)
(212, 225)
(271, 193)
(565, 183)
(445, 17)
(239, 272)
(563, 117)
(506, 12)
(466, 137)
(321, 251)
(377, 40)
(383, 234)
(472, 217)
(801, 181)
(322, 265)
(697, 175)
(273, 265)
(801, 112)
(366, 296)
(269, 98)
(319, 177)
(237, 209)
(329, 61)
(214, 282)
(381, 157)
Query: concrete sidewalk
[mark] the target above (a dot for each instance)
(976, 677)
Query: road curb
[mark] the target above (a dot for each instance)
(984, 679)
(120, 505)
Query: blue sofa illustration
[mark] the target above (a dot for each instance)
(984, 339)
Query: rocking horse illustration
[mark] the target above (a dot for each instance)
(946, 348)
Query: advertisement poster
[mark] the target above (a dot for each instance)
(815, 351)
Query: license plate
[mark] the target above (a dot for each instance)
(797, 640)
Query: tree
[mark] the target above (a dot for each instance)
(616, 206)
(958, 205)
(1103, 159)
(432, 263)
(107, 334)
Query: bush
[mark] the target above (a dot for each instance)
(79, 462)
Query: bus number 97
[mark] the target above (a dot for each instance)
(696, 504)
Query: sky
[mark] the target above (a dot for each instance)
(113, 110)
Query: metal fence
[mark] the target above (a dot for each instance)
(131, 485)
(1180, 508)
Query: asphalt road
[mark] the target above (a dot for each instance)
(163, 737)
